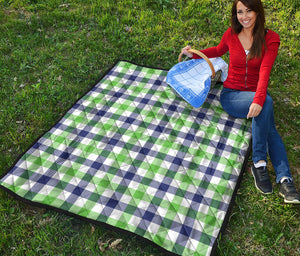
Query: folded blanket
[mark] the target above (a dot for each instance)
(192, 79)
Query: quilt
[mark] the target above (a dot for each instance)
(133, 154)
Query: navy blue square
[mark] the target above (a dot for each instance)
(163, 187)
(148, 216)
(76, 105)
(118, 94)
(159, 128)
(101, 113)
(197, 198)
(83, 133)
(44, 179)
(177, 161)
(37, 145)
(190, 137)
(132, 78)
(57, 125)
(129, 120)
(112, 203)
(201, 115)
(229, 123)
(113, 142)
(185, 230)
(78, 191)
(221, 145)
(172, 108)
(157, 82)
(211, 96)
(96, 165)
(64, 155)
(210, 171)
(144, 101)
(145, 151)
(129, 176)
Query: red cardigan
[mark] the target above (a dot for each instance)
(252, 75)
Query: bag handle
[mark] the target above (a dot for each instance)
(204, 57)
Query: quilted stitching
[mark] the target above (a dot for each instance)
(132, 154)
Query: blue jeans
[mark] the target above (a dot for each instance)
(265, 138)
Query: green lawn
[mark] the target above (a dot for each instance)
(53, 51)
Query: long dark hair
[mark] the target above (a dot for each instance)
(259, 27)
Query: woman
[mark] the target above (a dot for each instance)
(253, 50)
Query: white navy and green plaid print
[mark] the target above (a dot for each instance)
(131, 153)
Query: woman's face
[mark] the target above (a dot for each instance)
(245, 16)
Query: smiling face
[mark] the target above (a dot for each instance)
(245, 16)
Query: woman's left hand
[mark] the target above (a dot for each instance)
(185, 51)
(254, 110)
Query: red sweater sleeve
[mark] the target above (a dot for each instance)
(216, 51)
(272, 43)
(242, 75)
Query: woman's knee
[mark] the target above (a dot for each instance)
(267, 110)
(236, 103)
(268, 105)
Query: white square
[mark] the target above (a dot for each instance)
(98, 208)
(215, 232)
(186, 202)
(57, 132)
(172, 235)
(204, 208)
(100, 174)
(221, 215)
(143, 205)
(161, 211)
(115, 214)
(77, 112)
(134, 221)
(92, 157)
(67, 122)
(153, 228)
(91, 187)
(86, 141)
(116, 179)
(25, 164)
(198, 225)
(64, 195)
(125, 199)
(151, 191)
(192, 244)
(10, 179)
(168, 197)
(80, 202)
(108, 193)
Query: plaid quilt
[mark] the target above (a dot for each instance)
(131, 153)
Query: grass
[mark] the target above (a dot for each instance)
(52, 51)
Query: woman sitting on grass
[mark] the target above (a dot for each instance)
(253, 50)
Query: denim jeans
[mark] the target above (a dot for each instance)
(265, 138)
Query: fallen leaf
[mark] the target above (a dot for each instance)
(92, 229)
(64, 5)
(128, 29)
(102, 245)
(115, 243)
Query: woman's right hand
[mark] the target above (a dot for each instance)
(185, 51)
